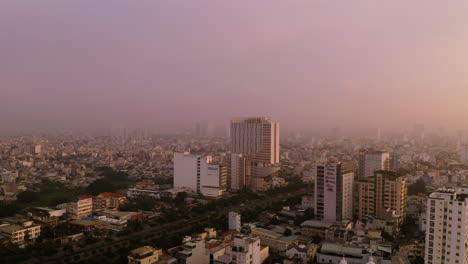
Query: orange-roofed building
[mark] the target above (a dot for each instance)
(108, 200)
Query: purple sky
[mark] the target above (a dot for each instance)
(306, 63)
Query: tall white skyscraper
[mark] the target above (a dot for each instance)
(257, 137)
(371, 161)
(199, 174)
(334, 191)
(447, 226)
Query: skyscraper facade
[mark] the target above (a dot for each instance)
(258, 138)
(334, 191)
(447, 226)
(371, 161)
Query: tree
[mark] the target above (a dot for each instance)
(28, 197)
(180, 198)
(8, 209)
(99, 186)
(418, 187)
(387, 237)
(287, 232)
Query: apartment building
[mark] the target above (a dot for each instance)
(334, 191)
(447, 226)
(380, 193)
(371, 161)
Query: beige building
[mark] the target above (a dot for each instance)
(144, 255)
(385, 191)
(20, 232)
(80, 208)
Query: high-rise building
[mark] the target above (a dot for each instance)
(385, 191)
(199, 174)
(447, 226)
(371, 161)
(334, 191)
(258, 138)
(239, 169)
(234, 221)
(463, 152)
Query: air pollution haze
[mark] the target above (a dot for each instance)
(307, 64)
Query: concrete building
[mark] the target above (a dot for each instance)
(234, 221)
(447, 226)
(385, 191)
(193, 252)
(463, 152)
(107, 200)
(246, 250)
(307, 202)
(20, 231)
(334, 191)
(199, 174)
(257, 137)
(144, 255)
(275, 241)
(239, 171)
(343, 254)
(371, 161)
(239, 249)
(80, 208)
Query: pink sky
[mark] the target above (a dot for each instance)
(306, 63)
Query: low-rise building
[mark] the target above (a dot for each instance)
(276, 242)
(80, 208)
(20, 231)
(144, 255)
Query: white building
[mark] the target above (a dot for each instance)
(447, 226)
(80, 208)
(371, 161)
(307, 202)
(234, 221)
(334, 191)
(246, 250)
(257, 137)
(199, 174)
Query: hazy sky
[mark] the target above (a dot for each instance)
(306, 63)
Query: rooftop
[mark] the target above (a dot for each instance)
(143, 250)
(266, 232)
(84, 222)
(339, 249)
(317, 224)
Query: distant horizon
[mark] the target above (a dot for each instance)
(310, 65)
